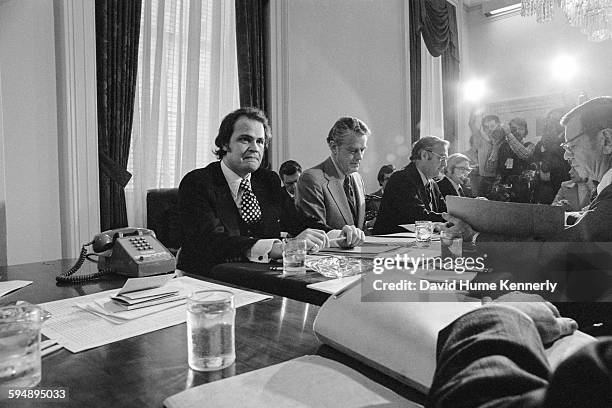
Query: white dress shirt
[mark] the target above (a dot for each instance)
(260, 251)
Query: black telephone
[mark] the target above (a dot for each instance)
(128, 251)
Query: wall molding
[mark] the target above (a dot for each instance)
(77, 122)
(279, 81)
(3, 236)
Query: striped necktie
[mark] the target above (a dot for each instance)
(350, 196)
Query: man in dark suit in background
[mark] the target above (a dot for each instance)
(494, 357)
(411, 194)
(230, 209)
(289, 172)
(332, 193)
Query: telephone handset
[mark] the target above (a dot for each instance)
(128, 251)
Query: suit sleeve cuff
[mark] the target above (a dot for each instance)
(260, 251)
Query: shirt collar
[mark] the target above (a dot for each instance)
(424, 179)
(453, 183)
(341, 174)
(606, 180)
(233, 180)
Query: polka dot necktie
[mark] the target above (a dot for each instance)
(250, 212)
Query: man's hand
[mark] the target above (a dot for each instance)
(562, 203)
(545, 315)
(353, 237)
(457, 227)
(315, 239)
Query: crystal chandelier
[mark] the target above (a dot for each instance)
(593, 17)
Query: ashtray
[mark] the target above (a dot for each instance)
(339, 266)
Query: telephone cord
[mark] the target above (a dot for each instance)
(67, 277)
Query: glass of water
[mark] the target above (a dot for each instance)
(20, 325)
(210, 330)
(294, 257)
(424, 231)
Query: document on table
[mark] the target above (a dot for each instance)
(77, 329)
(9, 286)
(308, 381)
(334, 286)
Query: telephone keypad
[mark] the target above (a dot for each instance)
(141, 244)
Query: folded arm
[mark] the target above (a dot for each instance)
(491, 357)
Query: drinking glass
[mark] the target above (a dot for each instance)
(424, 231)
(20, 325)
(210, 330)
(294, 257)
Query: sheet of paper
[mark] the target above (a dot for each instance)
(77, 329)
(398, 235)
(333, 286)
(148, 282)
(360, 250)
(12, 285)
(409, 227)
(381, 240)
(308, 381)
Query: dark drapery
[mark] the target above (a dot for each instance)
(436, 21)
(117, 32)
(251, 48)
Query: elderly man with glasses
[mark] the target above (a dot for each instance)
(411, 193)
(455, 175)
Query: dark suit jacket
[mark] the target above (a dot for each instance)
(291, 220)
(211, 222)
(406, 200)
(446, 187)
(493, 357)
(321, 197)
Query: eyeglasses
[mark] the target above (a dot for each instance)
(570, 148)
(466, 169)
(440, 156)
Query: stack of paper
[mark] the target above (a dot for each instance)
(139, 297)
(145, 298)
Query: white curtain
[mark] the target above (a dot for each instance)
(187, 82)
(432, 115)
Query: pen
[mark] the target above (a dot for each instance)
(347, 287)
(335, 240)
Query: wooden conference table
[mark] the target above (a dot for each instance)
(144, 370)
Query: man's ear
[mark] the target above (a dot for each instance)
(225, 148)
(607, 140)
(333, 146)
